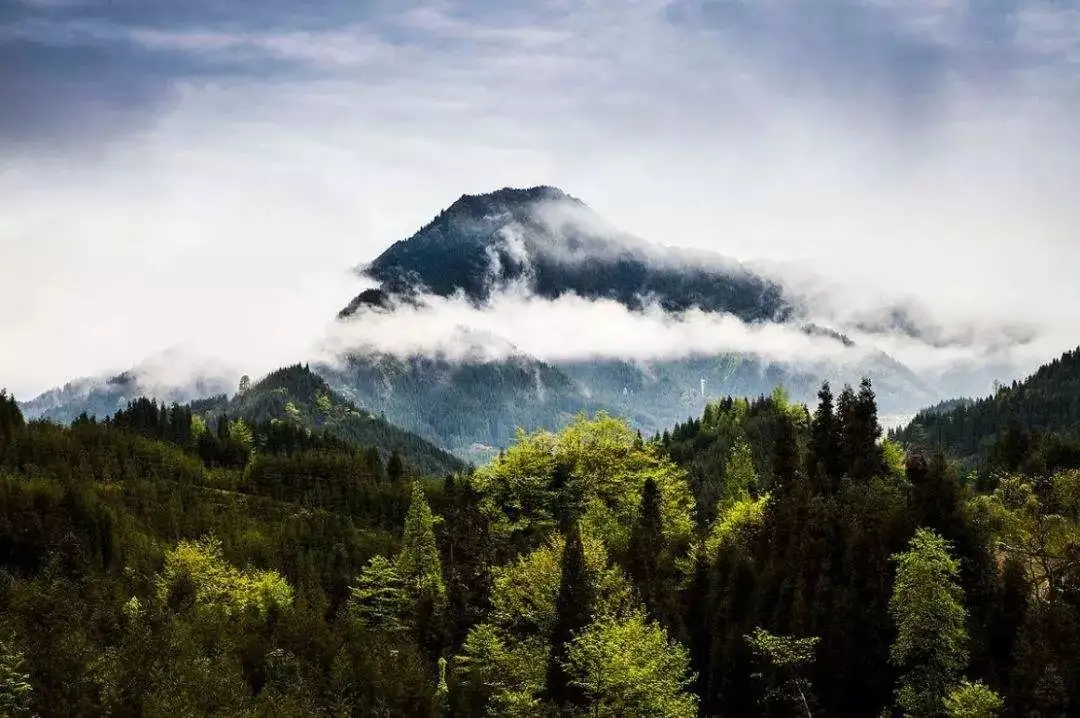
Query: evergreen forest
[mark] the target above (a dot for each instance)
(244, 558)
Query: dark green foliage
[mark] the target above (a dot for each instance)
(573, 612)
(1033, 425)
(824, 452)
(649, 562)
(395, 468)
(468, 556)
(703, 446)
(11, 421)
(296, 395)
(859, 431)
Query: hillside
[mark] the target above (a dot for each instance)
(297, 395)
(472, 408)
(1045, 404)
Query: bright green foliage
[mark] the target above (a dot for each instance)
(524, 592)
(973, 700)
(736, 526)
(241, 433)
(931, 638)
(630, 667)
(783, 651)
(509, 654)
(787, 657)
(1066, 487)
(782, 401)
(219, 587)
(198, 426)
(509, 669)
(418, 562)
(893, 455)
(740, 476)
(292, 413)
(15, 689)
(607, 468)
(442, 691)
(1031, 530)
(379, 598)
(323, 404)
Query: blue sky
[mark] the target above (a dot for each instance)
(206, 154)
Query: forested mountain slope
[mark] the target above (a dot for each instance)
(1041, 411)
(474, 408)
(297, 395)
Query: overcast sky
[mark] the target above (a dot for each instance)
(205, 172)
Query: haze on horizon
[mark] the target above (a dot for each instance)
(207, 173)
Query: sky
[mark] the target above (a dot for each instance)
(205, 173)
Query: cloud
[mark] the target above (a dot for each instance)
(569, 328)
(198, 173)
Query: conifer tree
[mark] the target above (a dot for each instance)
(11, 420)
(395, 468)
(786, 457)
(573, 612)
(823, 448)
(223, 428)
(648, 554)
(418, 562)
(374, 462)
(931, 635)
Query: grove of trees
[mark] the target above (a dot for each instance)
(762, 559)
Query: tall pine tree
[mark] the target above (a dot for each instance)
(573, 612)
(824, 461)
(927, 605)
(418, 562)
(648, 558)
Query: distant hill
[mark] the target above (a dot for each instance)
(1047, 403)
(298, 395)
(473, 408)
(104, 397)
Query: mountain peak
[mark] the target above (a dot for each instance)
(507, 199)
(515, 195)
(554, 244)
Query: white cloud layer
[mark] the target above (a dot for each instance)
(568, 328)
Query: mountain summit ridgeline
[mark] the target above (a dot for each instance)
(552, 244)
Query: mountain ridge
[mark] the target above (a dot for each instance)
(555, 244)
(1046, 404)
